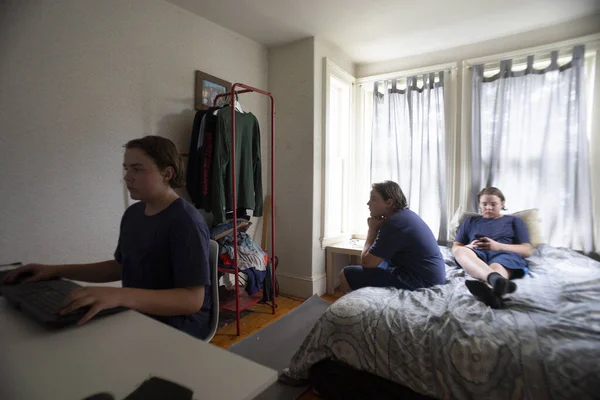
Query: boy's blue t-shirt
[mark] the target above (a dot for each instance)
(167, 250)
(508, 229)
(408, 244)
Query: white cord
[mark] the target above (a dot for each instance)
(357, 243)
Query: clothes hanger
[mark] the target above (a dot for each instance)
(236, 105)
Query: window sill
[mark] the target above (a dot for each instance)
(328, 241)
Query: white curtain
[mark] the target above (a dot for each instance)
(407, 144)
(529, 139)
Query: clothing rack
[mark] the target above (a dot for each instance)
(237, 89)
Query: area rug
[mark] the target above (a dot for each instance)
(274, 345)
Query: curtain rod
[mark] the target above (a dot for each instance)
(589, 40)
(403, 74)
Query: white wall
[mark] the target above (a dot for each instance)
(581, 27)
(80, 78)
(291, 79)
(296, 79)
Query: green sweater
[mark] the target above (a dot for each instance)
(248, 165)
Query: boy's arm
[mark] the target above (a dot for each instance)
(523, 249)
(168, 302)
(367, 259)
(487, 244)
(523, 246)
(105, 271)
(180, 301)
(381, 243)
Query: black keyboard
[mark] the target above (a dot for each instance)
(43, 300)
(47, 298)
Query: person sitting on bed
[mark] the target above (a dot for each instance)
(400, 250)
(492, 248)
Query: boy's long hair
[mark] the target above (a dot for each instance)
(391, 190)
(491, 191)
(164, 154)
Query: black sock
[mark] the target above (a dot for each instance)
(485, 294)
(501, 284)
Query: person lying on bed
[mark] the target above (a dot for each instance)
(400, 250)
(492, 248)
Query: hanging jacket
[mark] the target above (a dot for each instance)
(248, 165)
(192, 171)
(199, 169)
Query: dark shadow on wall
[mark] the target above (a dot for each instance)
(178, 128)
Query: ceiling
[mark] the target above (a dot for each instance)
(387, 29)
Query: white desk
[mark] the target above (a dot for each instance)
(346, 247)
(116, 354)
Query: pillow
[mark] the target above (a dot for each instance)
(532, 221)
(458, 219)
(530, 217)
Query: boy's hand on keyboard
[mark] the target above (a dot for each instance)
(30, 273)
(95, 298)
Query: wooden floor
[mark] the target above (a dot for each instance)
(258, 319)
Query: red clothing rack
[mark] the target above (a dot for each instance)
(240, 88)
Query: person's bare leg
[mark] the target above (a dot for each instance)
(500, 269)
(344, 286)
(474, 266)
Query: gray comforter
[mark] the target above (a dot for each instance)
(441, 342)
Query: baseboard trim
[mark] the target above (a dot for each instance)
(320, 285)
(301, 286)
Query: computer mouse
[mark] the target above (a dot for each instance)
(100, 396)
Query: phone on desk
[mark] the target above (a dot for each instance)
(152, 388)
(159, 388)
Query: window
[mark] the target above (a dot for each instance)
(350, 124)
(351, 118)
(405, 125)
(531, 138)
(339, 146)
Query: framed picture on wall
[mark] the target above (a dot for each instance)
(207, 88)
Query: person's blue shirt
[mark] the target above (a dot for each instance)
(406, 242)
(508, 229)
(167, 250)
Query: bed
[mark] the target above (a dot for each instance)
(442, 343)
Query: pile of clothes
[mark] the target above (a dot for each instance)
(252, 259)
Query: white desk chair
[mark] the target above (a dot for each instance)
(213, 261)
